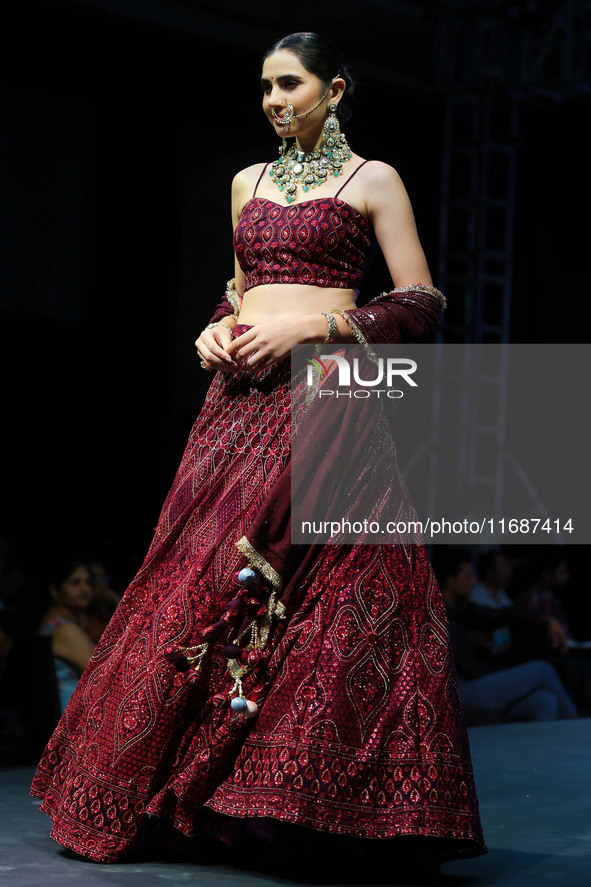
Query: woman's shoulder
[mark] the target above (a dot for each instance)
(248, 176)
(49, 621)
(57, 626)
(243, 186)
(376, 173)
(382, 188)
(62, 628)
(48, 626)
(67, 629)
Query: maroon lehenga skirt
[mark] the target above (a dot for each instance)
(360, 729)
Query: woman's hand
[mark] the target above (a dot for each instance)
(212, 348)
(556, 634)
(271, 340)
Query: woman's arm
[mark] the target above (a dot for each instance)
(69, 642)
(390, 213)
(212, 343)
(243, 186)
(411, 312)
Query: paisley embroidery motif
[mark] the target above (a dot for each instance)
(359, 729)
(321, 242)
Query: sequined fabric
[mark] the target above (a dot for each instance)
(321, 242)
(360, 728)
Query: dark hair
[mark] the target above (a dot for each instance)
(487, 561)
(448, 563)
(320, 57)
(61, 569)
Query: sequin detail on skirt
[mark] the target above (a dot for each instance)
(359, 728)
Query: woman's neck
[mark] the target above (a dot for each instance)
(309, 145)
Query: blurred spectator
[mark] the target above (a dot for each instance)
(6, 643)
(494, 573)
(65, 621)
(529, 691)
(544, 597)
(103, 601)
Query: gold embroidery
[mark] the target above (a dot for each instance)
(259, 635)
(409, 288)
(232, 296)
(357, 333)
(195, 655)
(421, 288)
(312, 390)
(354, 328)
(259, 563)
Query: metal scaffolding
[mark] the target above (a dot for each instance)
(493, 57)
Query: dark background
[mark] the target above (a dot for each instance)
(119, 138)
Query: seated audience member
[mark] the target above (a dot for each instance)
(529, 691)
(494, 572)
(66, 621)
(544, 597)
(514, 636)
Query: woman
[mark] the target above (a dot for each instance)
(66, 622)
(242, 675)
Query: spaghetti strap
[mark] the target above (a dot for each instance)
(259, 179)
(355, 171)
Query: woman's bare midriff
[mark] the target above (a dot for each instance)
(273, 301)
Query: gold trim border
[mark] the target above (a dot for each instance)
(257, 561)
(420, 288)
(232, 296)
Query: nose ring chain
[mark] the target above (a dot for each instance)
(287, 114)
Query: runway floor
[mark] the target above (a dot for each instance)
(534, 786)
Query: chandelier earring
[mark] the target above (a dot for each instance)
(309, 170)
(332, 128)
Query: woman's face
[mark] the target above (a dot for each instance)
(284, 79)
(75, 592)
